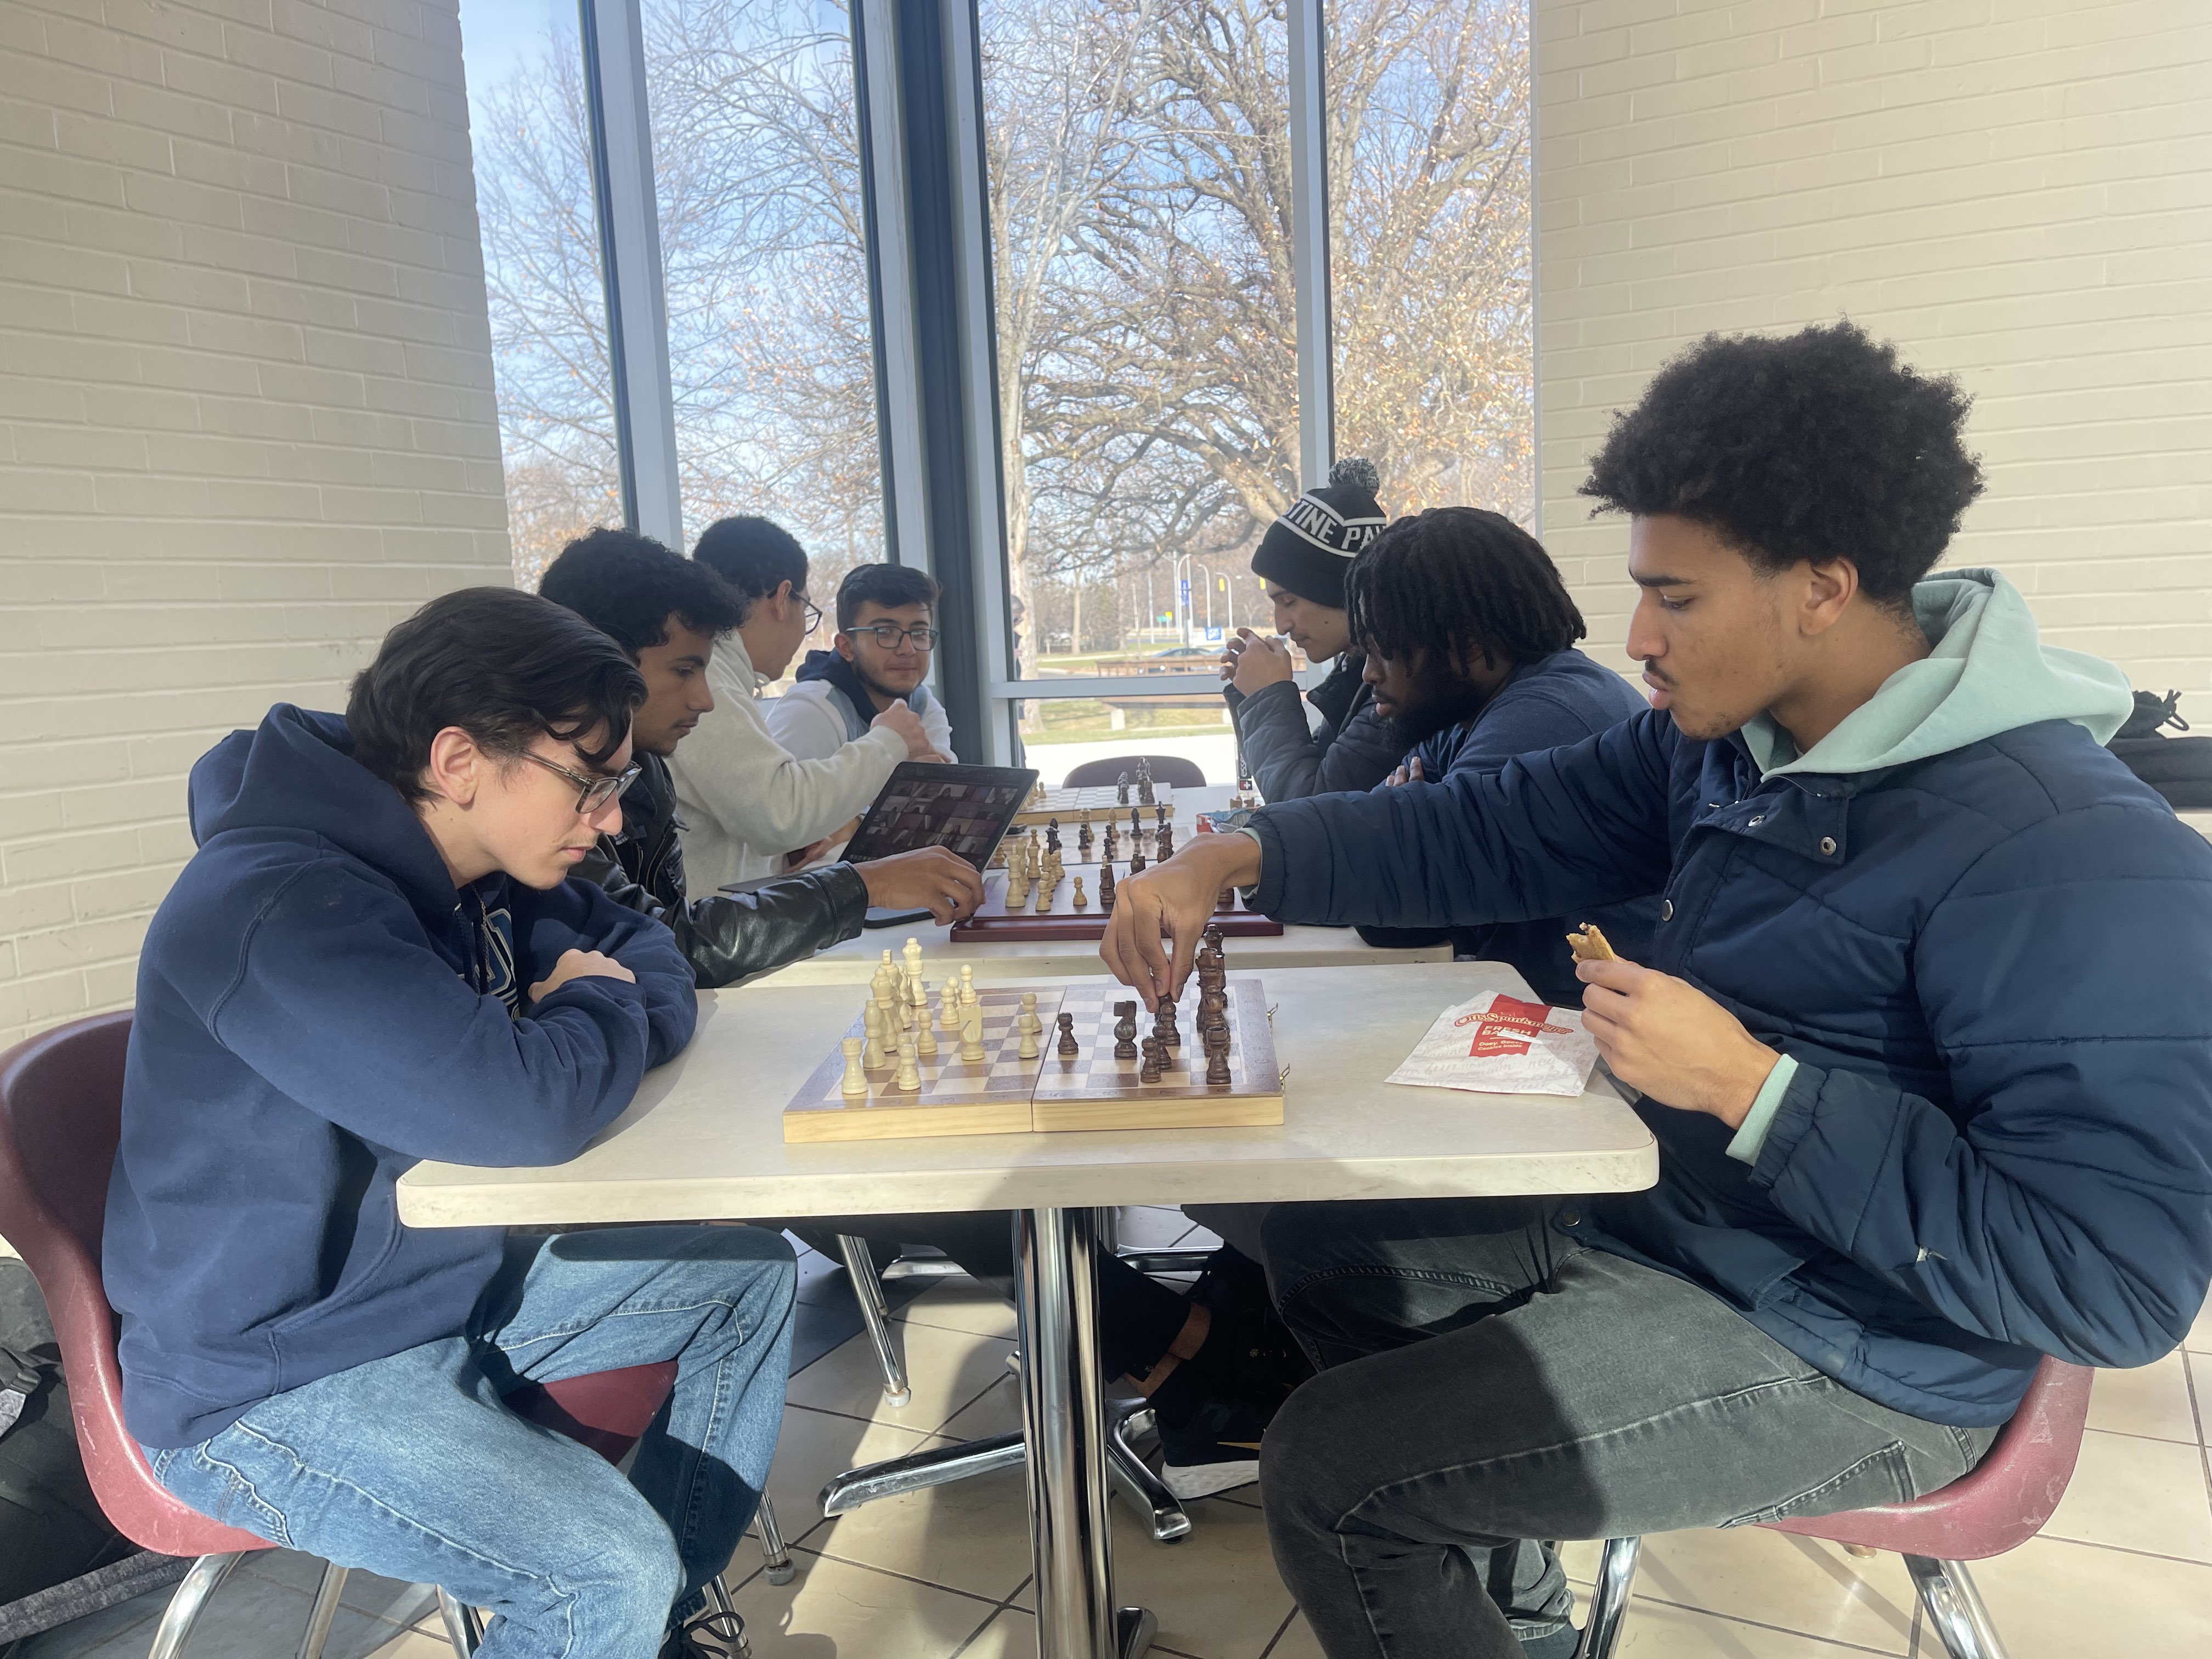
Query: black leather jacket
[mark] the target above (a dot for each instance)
(724, 935)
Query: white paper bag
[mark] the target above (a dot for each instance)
(1504, 1045)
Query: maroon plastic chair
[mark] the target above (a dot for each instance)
(1997, 1506)
(1173, 770)
(61, 1101)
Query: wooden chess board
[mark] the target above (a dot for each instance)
(988, 1097)
(1068, 805)
(1063, 922)
(1093, 1090)
(1004, 1094)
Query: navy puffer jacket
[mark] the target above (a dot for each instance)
(1994, 967)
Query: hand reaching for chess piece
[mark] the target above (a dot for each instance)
(1175, 898)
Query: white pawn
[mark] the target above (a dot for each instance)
(887, 1014)
(925, 1039)
(917, 1010)
(967, 985)
(971, 1032)
(856, 1080)
(949, 1016)
(1081, 901)
(1044, 897)
(1029, 1025)
(873, 1054)
(912, 957)
(909, 1066)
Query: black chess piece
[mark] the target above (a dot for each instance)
(1136, 825)
(1106, 889)
(1167, 841)
(1149, 1072)
(1213, 1010)
(1160, 816)
(1217, 1056)
(1125, 1030)
(1112, 849)
(1144, 781)
(1137, 864)
(1212, 937)
(1083, 838)
(1067, 1043)
(1121, 790)
(1164, 1025)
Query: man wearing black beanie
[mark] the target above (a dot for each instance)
(1303, 559)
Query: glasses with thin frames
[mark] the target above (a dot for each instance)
(592, 791)
(888, 635)
(813, 611)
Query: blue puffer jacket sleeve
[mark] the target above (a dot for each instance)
(1547, 833)
(2073, 1214)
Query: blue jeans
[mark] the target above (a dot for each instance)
(410, 1466)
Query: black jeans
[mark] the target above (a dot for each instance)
(1490, 1383)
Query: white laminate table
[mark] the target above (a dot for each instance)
(995, 960)
(704, 1139)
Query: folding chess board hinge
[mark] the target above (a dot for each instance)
(1282, 1077)
(1271, 1012)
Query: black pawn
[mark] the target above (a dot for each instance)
(1136, 864)
(1167, 841)
(1217, 1056)
(1125, 1030)
(1164, 1026)
(1106, 889)
(1121, 790)
(1067, 1043)
(1149, 1072)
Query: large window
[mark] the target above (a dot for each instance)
(756, 161)
(1429, 270)
(531, 135)
(1138, 176)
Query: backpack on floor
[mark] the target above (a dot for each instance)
(59, 1558)
(2180, 769)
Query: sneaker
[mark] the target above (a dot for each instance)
(1214, 1449)
(707, 1635)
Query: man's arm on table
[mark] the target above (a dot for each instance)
(2067, 985)
(1546, 833)
(340, 1002)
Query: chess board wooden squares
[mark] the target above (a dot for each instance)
(1067, 806)
(987, 1097)
(1094, 1091)
(994, 920)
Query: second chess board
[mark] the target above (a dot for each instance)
(995, 920)
(1005, 1094)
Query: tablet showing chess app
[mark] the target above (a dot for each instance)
(931, 804)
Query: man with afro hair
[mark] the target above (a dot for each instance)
(1921, 1036)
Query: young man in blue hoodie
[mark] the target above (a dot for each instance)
(1921, 1036)
(377, 957)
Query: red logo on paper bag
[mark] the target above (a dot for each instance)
(1508, 1026)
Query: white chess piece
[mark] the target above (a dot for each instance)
(971, 1032)
(967, 985)
(1044, 895)
(1082, 901)
(912, 957)
(887, 1015)
(1029, 1025)
(917, 1008)
(856, 1080)
(909, 1067)
(873, 1052)
(925, 1039)
(949, 1016)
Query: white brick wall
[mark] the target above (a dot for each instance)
(2018, 191)
(245, 416)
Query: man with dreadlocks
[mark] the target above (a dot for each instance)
(1469, 641)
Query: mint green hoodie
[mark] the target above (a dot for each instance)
(1987, 672)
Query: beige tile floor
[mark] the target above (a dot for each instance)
(2122, 1571)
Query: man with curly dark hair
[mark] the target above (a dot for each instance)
(1921, 1036)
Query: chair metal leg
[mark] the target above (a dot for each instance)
(1132, 1477)
(189, 1601)
(325, 1610)
(779, 1570)
(721, 1623)
(1608, 1602)
(875, 1314)
(1954, 1607)
(463, 1629)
